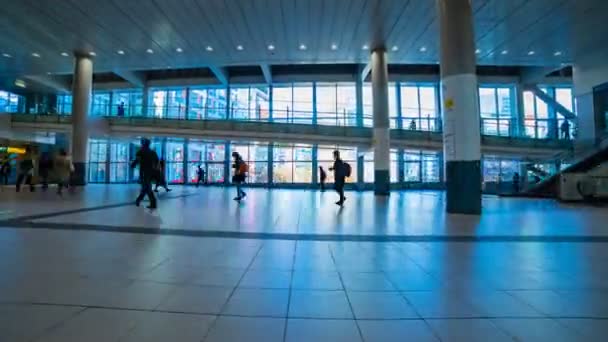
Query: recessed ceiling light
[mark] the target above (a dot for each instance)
(477, 51)
(531, 52)
(504, 52)
(557, 53)
(209, 48)
(423, 49)
(20, 83)
(239, 47)
(168, 67)
(65, 54)
(35, 54)
(270, 47)
(120, 52)
(365, 47)
(150, 51)
(302, 47)
(49, 73)
(92, 54)
(395, 48)
(334, 46)
(179, 50)
(6, 55)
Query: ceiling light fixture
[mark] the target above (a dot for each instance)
(334, 46)
(302, 47)
(92, 54)
(6, 55)
(504, 52)
(209, 48)
(395, 48)
(120, 52)
(150, 51)
(65, 54)
(239, 47)
(531, 53)
(477, 51)
(557, 53)
(35, 54)
(270, 47)
(20, 83)
(365, 47)
(179, 50)
(423, 49)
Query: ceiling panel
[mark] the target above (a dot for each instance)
(51, 27)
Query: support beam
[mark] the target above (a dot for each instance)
(535, 75)
(220, 73)
(136, 78)
(58, 85)
(366, 70)
(551, 102)
(267, 71)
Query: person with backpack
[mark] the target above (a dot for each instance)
(26, 169)
(240, 173)
(341, 171)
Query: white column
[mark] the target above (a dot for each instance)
(382, 179)
(81, 102)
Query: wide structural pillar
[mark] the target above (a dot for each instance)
(460, 97)
(379, 70)
(81, 102)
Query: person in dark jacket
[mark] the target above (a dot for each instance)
(147, 160)
(339, 170)
(161, 179)
(44, 167)
(322, 177)
(200, 173)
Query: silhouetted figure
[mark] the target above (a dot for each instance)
(340, 173)
(26, 169)
(147, 160)
(200, 173)
(565, 128)
(516, 180)
(161, 179)
(240, 173)
(5, 169)
(121, 109)
(63, 170)
(45, 165)
(322, 177)
(413, 125)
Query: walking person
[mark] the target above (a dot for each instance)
(341, 171)
(45, 165)
(63, 170)
(516, 180)
(5, 169)
(161, 179)
(240, 173)
(147, 160)
(565, 128)
(26, 170)
(322, 177)
(121, 109)
(200, 173)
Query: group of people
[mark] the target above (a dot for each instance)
(60, 166)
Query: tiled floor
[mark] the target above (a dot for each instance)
(103, 270)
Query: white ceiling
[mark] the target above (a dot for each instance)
(52, 27)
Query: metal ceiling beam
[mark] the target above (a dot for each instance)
(50, 82)
(220, 73)
(267, 71)
(551, 102)
(136, 78)
(535, 75)
(366, 70)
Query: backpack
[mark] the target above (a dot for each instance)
(243, 168)
(347, 169)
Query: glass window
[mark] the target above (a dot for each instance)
(210, 156)
(368, 108)
(259, 103)
(282, 106)
(239, 103)
(325, 158)
(256, 156)
(292, 163)
(64, 104)
(496, 110)
(368, 167)
(174, 161)
(346, 104)
(419, 108)
(119, 162)
(129, 100)
(302, 103)
(327, 105)
(101, 103)
(176, 103)
(98, 155)
(158, 103)
(11, 103)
